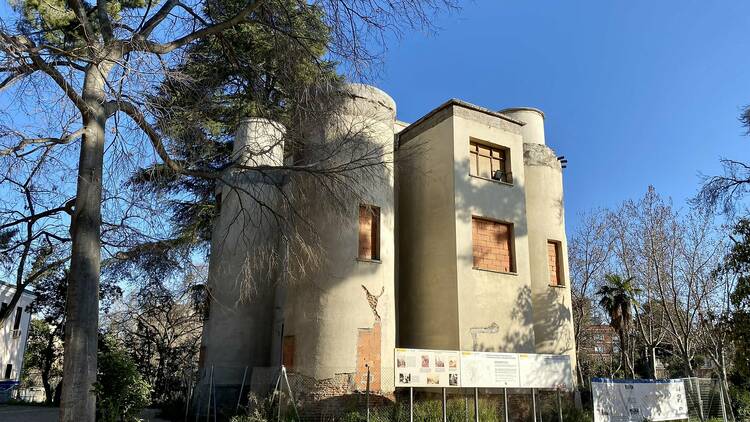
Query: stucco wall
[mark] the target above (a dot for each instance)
(328, 305)
(428, 305)
(494, 308)
(553, 322)
(238, 330)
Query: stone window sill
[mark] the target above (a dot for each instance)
(492, 180)
(495, 271)
(372, 261)
(557, 286)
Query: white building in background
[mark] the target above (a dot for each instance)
(14, 332)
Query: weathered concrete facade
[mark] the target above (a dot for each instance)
(424, 289)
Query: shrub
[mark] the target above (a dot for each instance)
(121, 392)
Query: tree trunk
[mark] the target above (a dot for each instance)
(82, 302)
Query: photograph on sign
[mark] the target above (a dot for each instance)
(545, 371)
(426, 368)
(628, 400)
(489, 370)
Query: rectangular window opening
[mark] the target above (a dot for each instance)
(8, 371)
(17, 322)
(489, 162)
(369, 232)
(553, 259)
(492, 244)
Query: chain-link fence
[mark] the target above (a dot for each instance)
(707, 400)
(338, 394)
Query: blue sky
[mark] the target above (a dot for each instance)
(635, 93)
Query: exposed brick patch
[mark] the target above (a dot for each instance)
(368, 353)
(553, 258)
(369, 232)
(492, 245)
(287, 351)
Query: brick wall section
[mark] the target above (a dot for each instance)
(491, 243)
(554, 263)
(368, 352)
(287, 352)
(369, 232)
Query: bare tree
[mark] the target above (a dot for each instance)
(589, 254)
(93, 64)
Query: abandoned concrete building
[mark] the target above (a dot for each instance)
(460, 245)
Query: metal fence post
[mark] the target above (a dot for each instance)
(533, 402)
(210, 383)
(367, 393)
(445, 406)
(242, 387)
(559, 405)
(476, 405)
(505, 403)
(411, 404)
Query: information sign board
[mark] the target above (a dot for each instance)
(638, 400)
(427, 368)
(489, 370)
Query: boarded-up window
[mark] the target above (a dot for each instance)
(17, 322)
(489, 162)
(369, 232)
(553, 258)
(368, 355)
(287, 352)
(492, 243)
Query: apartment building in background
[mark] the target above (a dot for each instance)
(14, 332)
(460, 244)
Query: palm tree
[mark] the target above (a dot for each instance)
(617, 297)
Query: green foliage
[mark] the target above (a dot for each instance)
(617, 297)
(737, 263)
(740, 402)
(121, 392)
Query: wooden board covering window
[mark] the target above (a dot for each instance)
(369, 232)
(488, 162)
(553, 258)
(287, 352)
(492, 247)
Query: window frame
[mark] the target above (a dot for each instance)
(511, 245)
(375, 233)
(474, 145)
(558, 265)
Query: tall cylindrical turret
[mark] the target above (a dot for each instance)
(533, 129)
(340, 314)
(237, 332)
(548, 246)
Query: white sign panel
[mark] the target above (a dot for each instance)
(489, 370)
(638, 400)
(545, 371)
(427, 368)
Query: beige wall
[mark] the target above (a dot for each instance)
(328, 306)
(238, 330)
(494, 308)
(553, 322)
(428, 307)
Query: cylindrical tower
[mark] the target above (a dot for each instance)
(237, 333)
(548, 246)
(340, 313)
